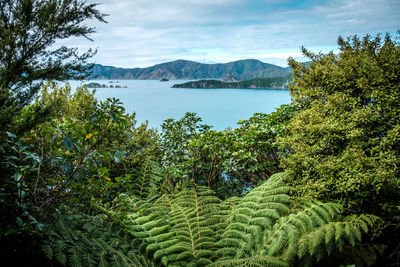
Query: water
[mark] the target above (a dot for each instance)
(156, 101)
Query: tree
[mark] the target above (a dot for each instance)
(230, 162)
(345, 141)
(29, 30)
(175, 137)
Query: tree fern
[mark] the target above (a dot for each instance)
(179, 229)
(147, 179)
(144, 189)
(257, 211)
(282, 239)
(331, 239)
(268, 228)
(226, 208)
(264, 228)
(82, 240)
(256, 261)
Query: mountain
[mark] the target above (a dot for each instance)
(256, 83)
(185, 70)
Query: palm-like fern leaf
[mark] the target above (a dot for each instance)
(332, 237)
(179, 229)
(146, 179)
(267, 225)
(257, 211)
(264, 228)
(81, 240)
(256, 261)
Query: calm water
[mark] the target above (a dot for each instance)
(156, 101)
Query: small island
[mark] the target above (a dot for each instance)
(256, 83)
(164, 80)
(96, 85)
(99, 85)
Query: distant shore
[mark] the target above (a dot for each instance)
(257, 83)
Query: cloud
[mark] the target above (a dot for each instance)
(144, 32)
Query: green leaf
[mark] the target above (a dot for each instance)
(114, 118)
(117, 156)
(68, 143)
(11, 135)
(21, 193)
(67, 167)
(19, 221)
(17, 176)
(92, 118)
(57, 159)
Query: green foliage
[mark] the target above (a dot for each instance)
(79, 156)
(258, 210)
(28, 32)
(65, 104)
(179, 229)
(346, 136)
(256, 153)
(267, 227)
(175, 138)
(344, 143)
(19, 225)
(264, 228)
(275, 82)
(231, 161)
(90, 154)
(82, 240)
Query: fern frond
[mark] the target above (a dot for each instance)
(81, 240)
(334, 235)
(264, 228)
(287, 230)
(266, 224)
(145, 180)
(179, 229)
(257, 261)
(256, 212)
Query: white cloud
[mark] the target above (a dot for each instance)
(144, 32)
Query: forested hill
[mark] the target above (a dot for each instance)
(256, 83)
(183, 69)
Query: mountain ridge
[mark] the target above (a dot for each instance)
(185, 69)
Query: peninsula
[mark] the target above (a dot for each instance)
(99, 85)
(256, 83)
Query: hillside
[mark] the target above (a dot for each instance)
(183, 69)
(256, 83)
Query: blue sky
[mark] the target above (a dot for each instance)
(142, 33)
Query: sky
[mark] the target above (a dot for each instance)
(142, 33)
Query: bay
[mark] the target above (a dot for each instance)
(156, 101)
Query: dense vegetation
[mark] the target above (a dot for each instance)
(186, 70)
(256, 83)
(315, 183)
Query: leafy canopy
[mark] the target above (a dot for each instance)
(229, 162)
(29, 30)
(344, 142)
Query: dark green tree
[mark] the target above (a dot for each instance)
(29, 30)
(29, 55)
(175, 137)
